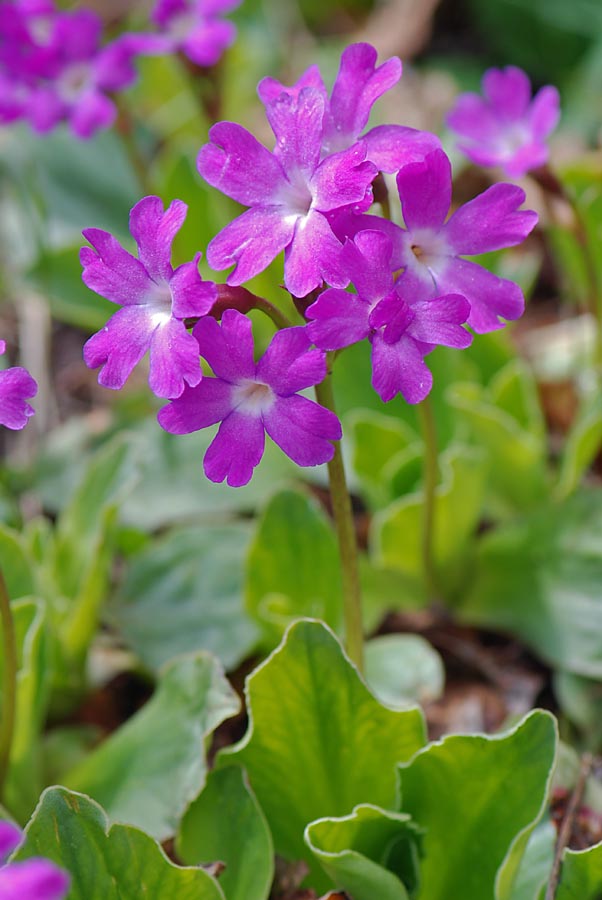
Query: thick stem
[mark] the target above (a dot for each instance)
(9, 683)
(345, 529)
(244, 301)
(430, 474)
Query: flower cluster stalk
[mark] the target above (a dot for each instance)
(345, 529)
(9, 683)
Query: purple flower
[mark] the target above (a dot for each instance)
(430, 249)
(290, 192)
(505, 127)
(16, 388)
(194, 27)
(154, 298)
(358, 86)
(34, 879)
(401, 332)
(82, 74)
(250, 398)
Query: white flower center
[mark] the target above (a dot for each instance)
(512, 138)
(252, 397)
(73, 80)
(295, 196)
(426, 250)
(158, 303)
(40, 29)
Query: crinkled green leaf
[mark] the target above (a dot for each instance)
(185, 593)
(116, 863)
(478, 798)
(370, 853)
(318, 742)
(149, 770)
(226, 823)
(403, 669)
(540, 577)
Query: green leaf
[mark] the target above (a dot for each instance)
(117, 863)
(397, 529)
(318, 742)
(478, 798)
(376, 438)
(184, 593)
(226, 823)
(293, 566)
(581, 701)
(582, 445)
(536, 864)
(149, 770)
(370, 853)
(581, 875)
(24, 781)
(402, 669)
(539, 578)
(16, 564)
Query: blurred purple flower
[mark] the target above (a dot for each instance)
(154, 297)
(194, 27)
(251, 398)
(34, 879)
(16, 388)
(290, 192)
(401, 331)
(357, 87)
(506, 127)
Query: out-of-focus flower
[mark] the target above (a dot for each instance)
(505, 127)
(33, 879)
(401, 331)
(155, 299)
(16, 388)
(194, 27)
(290, 192)
(358, 85)
(251, 398)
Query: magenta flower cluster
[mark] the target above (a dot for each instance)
(55, 67)
(505, 127)
(309, 196)
(33, 879)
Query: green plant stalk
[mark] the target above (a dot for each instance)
(430, 473)
(345, 529)
(9, 683)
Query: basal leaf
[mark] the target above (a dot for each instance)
(318, 742)
(149, 770)
(226, 823)
(116, 863)
(581, 875)
(403, 669)
(478, 798)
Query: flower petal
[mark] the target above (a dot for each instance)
(270, 89)
(399, 368)
(10, 835)
(296, 121)
(119, 346)
(154, 230)
(235, 450)
(34, 879)
(236, 163)
(358, 85)
(251, 242)
(191, 296)
(340, 319)
(391, 147)
(508, 90)
(490, 297)
(491, 221)
(367, 262)
(544, 113)
(425, 191)
(16, 387)
(342, 178)
(197, 407)
(228, 348)
(303, 429)
(440, 321)
(205, 44)
(92, 111)
(313, 256)
(111, 271)
(289, 365)
(174, 360)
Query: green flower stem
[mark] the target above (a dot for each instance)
(345, 529)
(9, 682)
(430, 475)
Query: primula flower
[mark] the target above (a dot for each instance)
(505, 127)
(401, 332)
(16, 388)
(357, 87)
(194, 27)
(430, 249)
(251, 398)
(33, 879)
(290, 192)
(154, 298)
